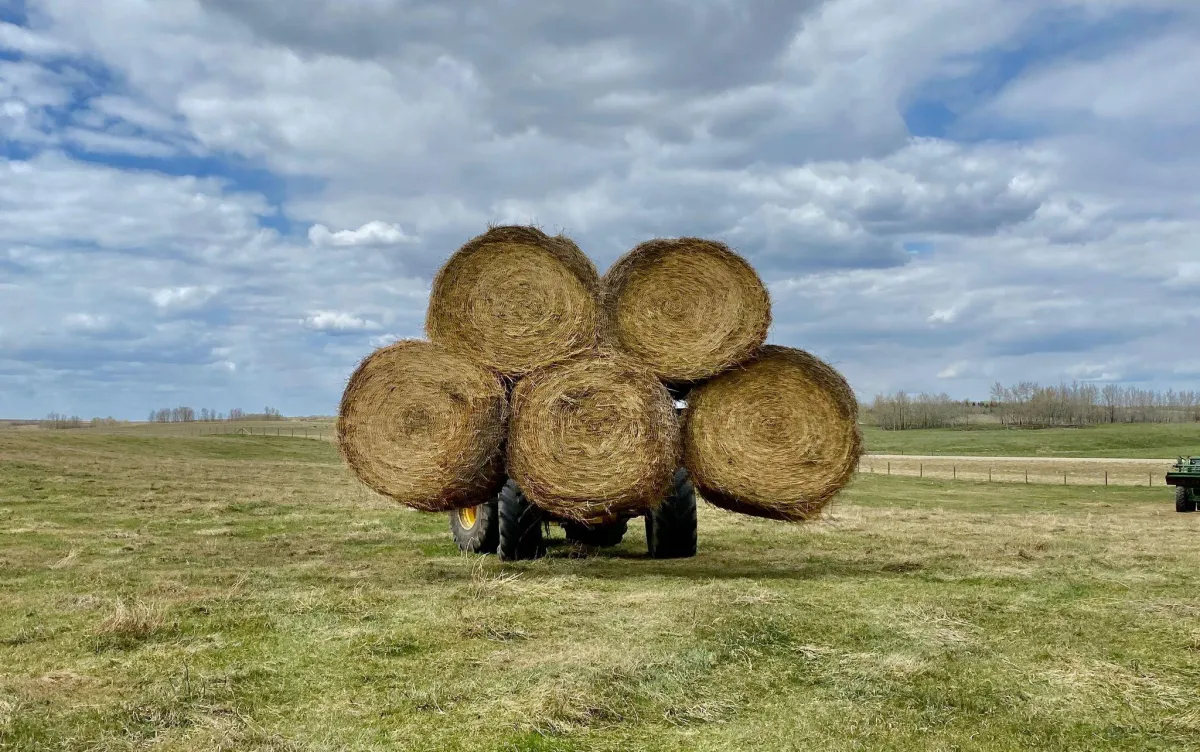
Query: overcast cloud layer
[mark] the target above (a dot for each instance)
(228, 203)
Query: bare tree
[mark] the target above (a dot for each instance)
(1028, 404)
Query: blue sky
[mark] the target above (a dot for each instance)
(226, 203)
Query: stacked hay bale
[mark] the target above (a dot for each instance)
(768, 431)
(687, 308)
(538, 369)
(515, 299)
(776, 438)
(593, 439)
(424, 426)
(592, 434)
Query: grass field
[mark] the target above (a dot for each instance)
(291, 427)
(1146, 440)
(243, 593)
(1031, 470)
(1149, 441)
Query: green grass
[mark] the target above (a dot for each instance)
(1149, 441)
(241, 593)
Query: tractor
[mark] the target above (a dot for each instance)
(1185, 476)
(511, 527)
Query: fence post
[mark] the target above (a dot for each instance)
(989, 475)
(889, 468)
(1106, 477)
(922, 470)
(1064, 477)
(1027, 476)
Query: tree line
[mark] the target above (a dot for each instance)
(189, 415)
(162, 415)
(59, 420)
(1029, 404)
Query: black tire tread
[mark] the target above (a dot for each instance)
(1182, 502)
(484, 536)
(671, 527)
(520, 526)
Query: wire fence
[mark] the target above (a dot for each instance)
(177, 430)
(1067, 472)
(278, 431)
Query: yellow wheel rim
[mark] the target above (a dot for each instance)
(467, 517)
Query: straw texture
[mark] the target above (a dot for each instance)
(686, 307)
(515, 299)
(424, 426)
(593, 439)
(777, 438)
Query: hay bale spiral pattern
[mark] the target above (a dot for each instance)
(515, 299)
(777, 438)
(424, 426)
(686, 307)
(593, 439)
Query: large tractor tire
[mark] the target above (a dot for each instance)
(671, 527)
(1183, 501)
(476, 529)
(520, 525)
(598, 536)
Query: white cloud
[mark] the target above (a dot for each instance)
(951, 371)
(86, 322)
(1055, 222)
(944, 316)
(54, 199)
(1149, 85)
(27, 42)
(182, 297)
(372, 233)
(108, 143)
(384, 339)
(338, 321)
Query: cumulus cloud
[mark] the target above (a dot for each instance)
(338, 321)
(86, 322)
(370, 234)
(939, 194)
(384, 339)
(182, 297)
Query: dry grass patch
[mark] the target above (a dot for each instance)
(129, 626)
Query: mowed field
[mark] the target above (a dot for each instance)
(1133, 441)
(244, 593)
(1136, 455)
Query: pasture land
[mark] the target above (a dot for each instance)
(1129, 440)
(319, 427)
(243, 593)
(1052, 470)
(1122, 440)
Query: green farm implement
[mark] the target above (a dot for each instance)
(1185, 476)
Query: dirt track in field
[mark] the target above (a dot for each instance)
(1082, 471)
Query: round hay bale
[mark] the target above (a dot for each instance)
(515, 299)
(424, 426)
(776, 438)
(593, 439)
(686, 307)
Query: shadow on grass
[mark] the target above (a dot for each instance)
(621, 564)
